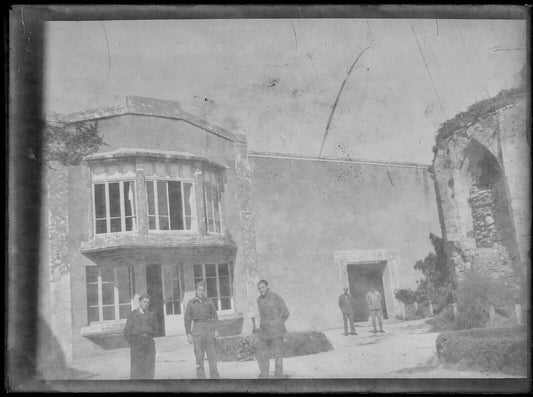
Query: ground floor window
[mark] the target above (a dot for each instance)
(109, 292)
(172, 289)
(218, 279)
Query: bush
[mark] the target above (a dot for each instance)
(294, 344)
(406, 296)
(443, 321)
(475, 295)
(493, 349)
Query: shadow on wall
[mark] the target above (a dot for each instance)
(51, 363)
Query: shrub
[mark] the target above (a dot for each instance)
(295, 344)
(475, 295)
(493, 349)
(406, 296)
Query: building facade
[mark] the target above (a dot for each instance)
(170, 200)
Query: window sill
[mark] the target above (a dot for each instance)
(104, 328)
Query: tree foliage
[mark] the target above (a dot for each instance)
(68, 144)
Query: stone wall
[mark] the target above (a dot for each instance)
(482, 178)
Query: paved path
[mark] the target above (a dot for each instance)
(405, 350)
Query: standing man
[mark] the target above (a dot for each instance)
(202, 311)
(345, 304)
(273, 313)
(373, 299)
(140, 329)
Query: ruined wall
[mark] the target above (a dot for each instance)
(482, 171)
(306, 210)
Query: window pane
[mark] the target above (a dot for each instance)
(129, 224)
(99, 201)
(187, 195)
(197, 271)
(151, 198)
(215, 301)
(92, 314)
(129, 198)
(169, 308)
(224, 286)
(162, 198)
(106, 273)
(225, 303)
(177, 308)
(114, 199)
(109, 313)
(210, 270)
(116, 225)
(123, 274)
(91, 274)
(124, 293)
(217, 226)
(108, 293)
(211, 287)
(151, 223)
(176, 210)
(163, 223)
(124, 310)
(101, 226)
(223, 269)
(92, 294)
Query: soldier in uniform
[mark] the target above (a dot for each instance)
(140, 329)
(273, 314)
(203, 313)
(373, 299)
(345, 304)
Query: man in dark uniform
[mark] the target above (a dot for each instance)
(202, 311)
(273, 314)
(345, 304)
(140, 329)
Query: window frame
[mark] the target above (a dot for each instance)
(135, 217)
(231, 283)
(181, 290)
(116, 298)
(193, 216)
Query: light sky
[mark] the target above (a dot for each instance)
(276, 80)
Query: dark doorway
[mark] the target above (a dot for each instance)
(361, 277)
(154, 288)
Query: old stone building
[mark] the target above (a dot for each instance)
(171, 199)
(482, 169)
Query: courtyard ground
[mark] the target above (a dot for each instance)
(405, 350)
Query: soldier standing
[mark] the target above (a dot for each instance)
(140, 329)
(273, 314)
(373, 299)
(345, 304)
(202, 311)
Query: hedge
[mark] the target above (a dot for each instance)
(495, 349)
(241, 348)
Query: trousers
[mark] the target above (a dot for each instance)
(264, 349)
(348, 317)
(142, 360)
(376, 314)
(203, 336)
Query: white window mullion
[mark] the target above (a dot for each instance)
(94, 210)
(183, 215)
(218, 287)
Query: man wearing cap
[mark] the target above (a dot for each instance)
(273, 314)
(201, 311)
